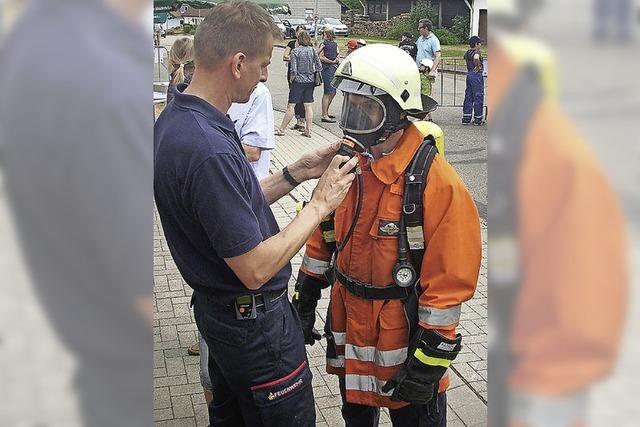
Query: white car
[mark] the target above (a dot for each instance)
(339, 29)
(280, 25)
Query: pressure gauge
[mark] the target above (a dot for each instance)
(404, 275)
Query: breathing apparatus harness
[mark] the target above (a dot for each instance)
(411, 244)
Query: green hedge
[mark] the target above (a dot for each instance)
(446, 37)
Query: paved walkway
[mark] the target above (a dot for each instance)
(178, 399)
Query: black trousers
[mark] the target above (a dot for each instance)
(299, 109)
(356, 415)
(258, 367)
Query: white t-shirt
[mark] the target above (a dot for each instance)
(255, 125)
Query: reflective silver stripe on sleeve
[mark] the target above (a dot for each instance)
(314, 266)
(439, 316)
(336, 363)
(548, 411)
(372, 354)
(338, 337)
(365, 383)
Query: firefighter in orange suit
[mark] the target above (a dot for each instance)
(381, 358)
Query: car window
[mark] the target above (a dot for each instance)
(333, 21)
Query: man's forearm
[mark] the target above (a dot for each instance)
(436, 62)
(268, 258)
(275, 186)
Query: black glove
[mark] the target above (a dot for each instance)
(305, 299)
(430, 354)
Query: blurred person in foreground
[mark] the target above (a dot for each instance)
(557, 251)
(613, 20)
(401, 253)
(224, 237)
(77, 164)
(473, 108)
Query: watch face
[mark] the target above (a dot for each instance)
(404, 276)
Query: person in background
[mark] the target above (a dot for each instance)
(429, 48)
(254, 125)
(181, 65)
(474, 93)
(328, 52)
(304, 63)
(352, 45)
(286, 57)
(408, 45)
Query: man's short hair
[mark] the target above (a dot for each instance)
(232, 27)
(426, 23)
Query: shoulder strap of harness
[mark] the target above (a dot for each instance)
(414, 185)
(327, 226)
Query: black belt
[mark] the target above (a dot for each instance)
(269, 297)
(370, 292)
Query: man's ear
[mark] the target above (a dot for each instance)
(237, 62)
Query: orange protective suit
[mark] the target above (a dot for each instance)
(570, 308)
(371, 337)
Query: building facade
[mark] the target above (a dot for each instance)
(382, 10)
(310, 8)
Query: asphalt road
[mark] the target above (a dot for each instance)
(466, 146)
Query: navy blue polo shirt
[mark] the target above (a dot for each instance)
(210, 203)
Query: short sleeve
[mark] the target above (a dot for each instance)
(257, 129)
(222, 204)
(435, 45)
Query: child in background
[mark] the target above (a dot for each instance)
(181, 65)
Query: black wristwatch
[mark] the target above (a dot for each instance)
(287, 175)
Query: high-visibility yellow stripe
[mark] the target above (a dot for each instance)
(431, 361)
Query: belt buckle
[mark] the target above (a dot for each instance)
(245, 306)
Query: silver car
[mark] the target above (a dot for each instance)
(339, 29)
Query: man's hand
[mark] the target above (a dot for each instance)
(334, 184)
(313, 163)
(432, 75)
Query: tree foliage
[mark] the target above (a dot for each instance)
(422, 9)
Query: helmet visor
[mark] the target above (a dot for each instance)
(361, 114)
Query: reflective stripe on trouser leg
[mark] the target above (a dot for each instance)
(314, 266)
(439, 316)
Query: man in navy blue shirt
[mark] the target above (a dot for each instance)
(223, 235)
